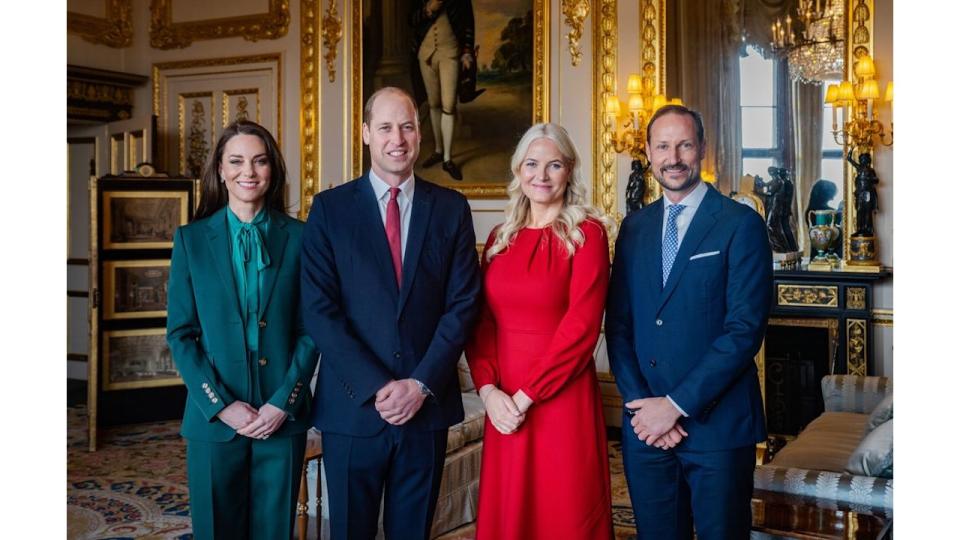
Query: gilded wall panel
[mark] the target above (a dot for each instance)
(195, 99)
(167, 34)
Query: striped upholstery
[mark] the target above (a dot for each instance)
(854, 393)
(813, 464)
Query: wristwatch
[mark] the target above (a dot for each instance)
(423, 388)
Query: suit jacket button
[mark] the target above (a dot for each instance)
(263, 361)
(659, 322)
(396, 354)
(653, 362)
(262, 324)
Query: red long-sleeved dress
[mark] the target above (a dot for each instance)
(539, 325)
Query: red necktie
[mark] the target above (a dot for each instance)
(393, 232)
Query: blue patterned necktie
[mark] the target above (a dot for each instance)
(671, 239)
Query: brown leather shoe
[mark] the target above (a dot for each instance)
(434, 158)
(452, 170)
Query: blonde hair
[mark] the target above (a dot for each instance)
(575, 208)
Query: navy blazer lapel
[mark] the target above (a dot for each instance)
(703, 222)
(372, 229)
(276, 241)
(419, 219)
(651, 252)
(218, 234)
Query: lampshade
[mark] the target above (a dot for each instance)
(634, 84)
(635, 103)
(845, 94)
(613, 106)
(832, 91)
(659, 101)
(676, 101)
(865, 67)
(888, 95)
(708, 176)
(869, 90)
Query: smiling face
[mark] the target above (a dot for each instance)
(245, 170)
(393, 135)
(544, 174)
(675, 154)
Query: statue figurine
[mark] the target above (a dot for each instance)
(864, 193)
(779, 194)
(636, 185)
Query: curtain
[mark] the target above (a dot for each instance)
(707, 38)
(808, 147)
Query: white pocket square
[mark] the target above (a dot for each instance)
(702, 255)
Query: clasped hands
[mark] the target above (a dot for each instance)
(398, 401)
(250, 422)
(506, 413)
(655, 422)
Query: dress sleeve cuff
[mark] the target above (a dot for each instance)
(674, 403)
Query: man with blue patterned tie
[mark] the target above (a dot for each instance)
(687, 310)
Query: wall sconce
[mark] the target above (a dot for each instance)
(859, 128)
(857, 101)
(628, 132)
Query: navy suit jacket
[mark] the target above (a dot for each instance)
(694, 338)
(370, 331)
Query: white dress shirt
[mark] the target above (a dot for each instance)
(691, 202)
(404, 200)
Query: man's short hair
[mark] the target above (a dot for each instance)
(385, 90)
(678, 109)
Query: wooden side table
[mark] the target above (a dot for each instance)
(314, 452)
(792, 516)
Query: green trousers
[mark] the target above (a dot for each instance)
(244, 489)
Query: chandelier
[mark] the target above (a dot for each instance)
(813, 42)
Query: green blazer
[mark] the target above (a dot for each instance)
(206, 335)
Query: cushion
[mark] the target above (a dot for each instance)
(881, 413)
(874, 455)
(825, 444)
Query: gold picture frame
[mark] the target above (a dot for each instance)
(540, 94)
(166, 34)
(137, 359)
(114, 30)
(147, 224)
(135, 289)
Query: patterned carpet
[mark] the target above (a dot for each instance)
(135, 484)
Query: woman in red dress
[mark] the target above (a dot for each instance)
(544, 472)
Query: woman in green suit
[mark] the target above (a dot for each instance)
(237, 338)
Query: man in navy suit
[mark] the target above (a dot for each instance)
(687, 310)
(389, 285)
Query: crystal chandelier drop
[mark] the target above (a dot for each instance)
(813, 43)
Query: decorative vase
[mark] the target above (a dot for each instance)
(823, 232)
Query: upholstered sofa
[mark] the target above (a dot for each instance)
(841, 454)
(457, 503)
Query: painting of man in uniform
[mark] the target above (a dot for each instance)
(469, 66)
